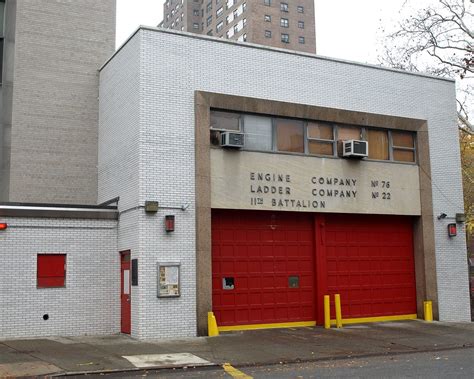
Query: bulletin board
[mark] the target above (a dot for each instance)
(168, 277)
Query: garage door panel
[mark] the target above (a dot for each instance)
(268, 298)
(254, 299)
(226, 235)
(269, 314)
(281, 314)
(281, 298)
(280, 266)
(225, 251)
(241, 298)
(268, 282)
(253, 266)
(307, 281)
(276, 246)
(254, 283)
(240, 314)
(255, 315)
(370, 262)
(228, 299)
(268, 266)
(227, 266)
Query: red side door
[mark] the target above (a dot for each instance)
(125, 292)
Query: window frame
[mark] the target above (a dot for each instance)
(366, 138)
(284, 22)
(332, 141)
(335, 141)
(275, 136)
(393, 148)
(40, 268)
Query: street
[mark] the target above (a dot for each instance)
(441, 364)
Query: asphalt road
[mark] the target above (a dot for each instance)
(444, 364)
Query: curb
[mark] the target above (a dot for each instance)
(356, 356)
(268, 363)
(131, 369)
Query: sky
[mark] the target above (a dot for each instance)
(345, 29)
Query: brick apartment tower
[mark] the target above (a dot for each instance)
(287, 24)
(52, 50)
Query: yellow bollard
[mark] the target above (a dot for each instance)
(337, 300)
(327, 312)
(428, 307)
(212, 325)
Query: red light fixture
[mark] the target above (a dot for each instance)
(169, 223)
(3, 225)
(452, 230)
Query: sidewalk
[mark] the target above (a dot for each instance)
(62, 355)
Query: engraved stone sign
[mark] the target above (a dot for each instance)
(284, 182)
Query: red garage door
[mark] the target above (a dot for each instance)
(369, 261)
(262, 267)
(275, 267)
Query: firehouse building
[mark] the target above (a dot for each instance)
(251, 186)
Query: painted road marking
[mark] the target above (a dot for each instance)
(232, 371)
(166, 360)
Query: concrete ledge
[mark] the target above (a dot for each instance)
(58, 211)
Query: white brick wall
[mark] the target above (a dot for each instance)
(174, 65)
(90, 301)
(118, 156)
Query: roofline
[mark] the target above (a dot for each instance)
(275, 49)
(58, 211)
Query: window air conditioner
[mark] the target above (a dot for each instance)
(355, 149)
(231, 139)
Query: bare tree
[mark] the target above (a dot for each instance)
(437, 39)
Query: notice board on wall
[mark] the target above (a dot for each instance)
(168, 278)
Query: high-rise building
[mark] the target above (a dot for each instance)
(49, 108)
(287, 24)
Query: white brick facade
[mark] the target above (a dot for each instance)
(88, 304)
(147, 129)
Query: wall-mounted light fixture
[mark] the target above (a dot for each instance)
(151, 206)
(460, 217)
(169, 223)
(442, 215)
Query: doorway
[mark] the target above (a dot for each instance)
(125, 300)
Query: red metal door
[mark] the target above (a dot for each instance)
(263, 267)
(125, 292)
(369, 260)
